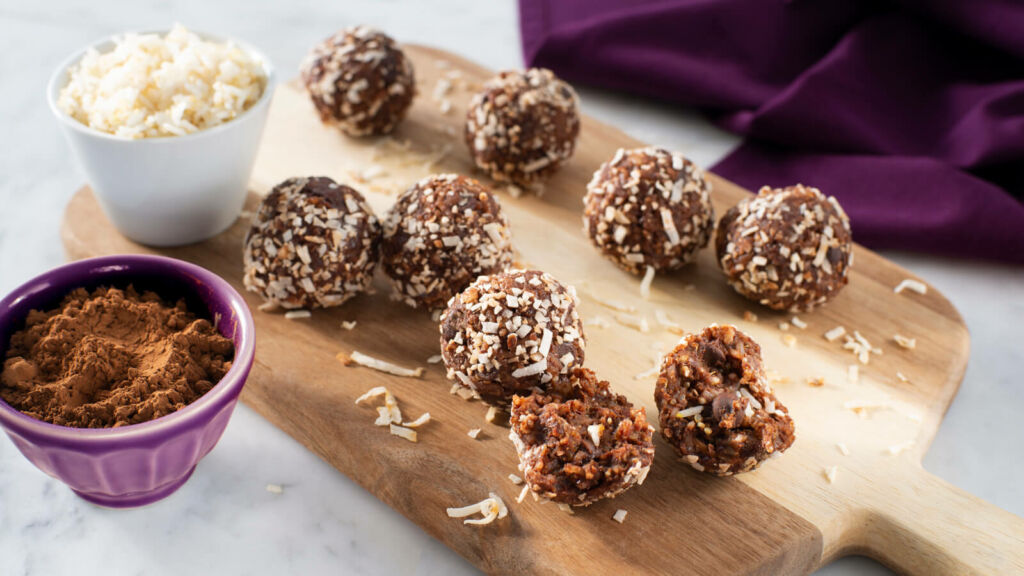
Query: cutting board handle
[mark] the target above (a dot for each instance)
(921, 524)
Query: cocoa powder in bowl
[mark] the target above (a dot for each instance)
(112, 357)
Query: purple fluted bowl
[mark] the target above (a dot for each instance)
(141, 463)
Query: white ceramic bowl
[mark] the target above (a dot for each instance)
(174, 190)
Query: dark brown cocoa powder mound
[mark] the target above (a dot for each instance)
(112, 358)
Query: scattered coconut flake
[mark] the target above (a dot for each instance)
(522, 494)
(275, 488)
(860, 347)
(749, 316)
(435, 359)
(473, 433)
(445, 106)
(912, 285)
(515, 479)
(349, 325)
(619, 516)
(648, 373)
(598, 322)
(853, 373)
(862, 407)
(835, 333)
(379, 365)
(789, 340)
(843, 449)
(492, 414)
(784, 326)
(268, 307)
(613, 304)
(373, 171)
(372, 393)
(795, 321)
(663, 319)
(904, 342)
(514, 191)
(565, 508)
(902, 378)
(830, 474)
(638, 323)
(816, 382)
(466, 393)
(897, 449)
(491, 508)
(423, 419)
(403, 432)
(595, 431)
(297, 314)
(645, 284)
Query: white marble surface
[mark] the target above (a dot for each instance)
(223, 520)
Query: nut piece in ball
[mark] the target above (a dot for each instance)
(443, 233)
(715, 406)
(786, 248)
(509, 333)
(522, 126)
(582, 445)
(313, 243)
(360, 81)
(648, 207)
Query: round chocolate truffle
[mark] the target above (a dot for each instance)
(443, 233)
(523, 125)
(511, 332)
(648, 207)
(313, 243)
(715, 406)
(581, 445)
(787, 248)
(360, 81)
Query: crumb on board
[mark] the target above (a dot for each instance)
(638, 323)
(473, 433)
(349, 325)
(912, 285)
(435, 359)
(490, 509)
(297, 314)
(749, 316)
(598, 322)
(789, 340)
(835, 333)
(853, 373)
(403, 432)
(795, 321)
(360, 359)
(816, 382)
(492, 414)
(515, 479)
(275, 488)
(830, 473)
(423, 419)
(267, 307)
(905, 342)
(784, 326)
(902, 378)
(897, 449)
(645, 284)
(843, 449)
(522, 494)
(620, 515)
(565, 508)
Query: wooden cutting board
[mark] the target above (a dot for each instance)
(784, 518)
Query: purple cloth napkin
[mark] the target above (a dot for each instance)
(911, 113)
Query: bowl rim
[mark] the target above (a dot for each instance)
(58, 79)
(227, 388)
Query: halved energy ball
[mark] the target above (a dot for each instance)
(522, 126)
(786, 248)
(581, 444)
(441, 234)
(510, 333)
(313, 243)
(715, 406)
(360, 81)
(648, 207)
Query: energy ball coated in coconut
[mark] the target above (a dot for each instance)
(523, 125)
(313, 243)
(583, 444)
(511, 333)
(786, 248)
(360, 81)
(442, 234)
(715, 406)
(648, 207)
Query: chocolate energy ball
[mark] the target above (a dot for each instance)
(715, 405)
(360, 81)
(313, 243)
(523, 125)
(581, 445)
(442, 234)
(648, 207)
(787, 248)
(511, 332)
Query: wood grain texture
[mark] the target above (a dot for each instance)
(784, 518)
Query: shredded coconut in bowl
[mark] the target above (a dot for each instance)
(152, 86)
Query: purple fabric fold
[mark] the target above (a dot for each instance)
(911, 112)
